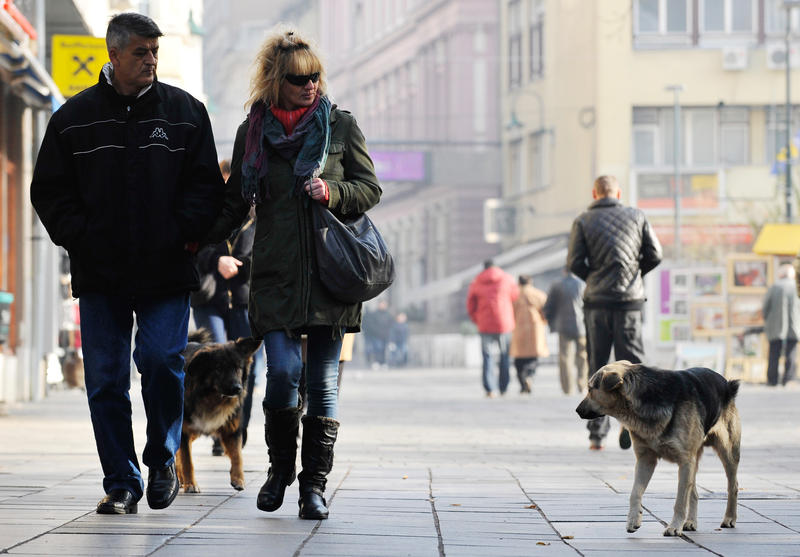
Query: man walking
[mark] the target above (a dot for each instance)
(611, 247)
(564, 313)
(490, 300)
(127, 181)
(781, 325)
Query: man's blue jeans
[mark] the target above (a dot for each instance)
(285, 364)
(106, 327)
(503, 340)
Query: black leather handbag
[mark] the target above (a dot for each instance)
(354, 263)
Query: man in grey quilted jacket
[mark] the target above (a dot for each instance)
(611, 247)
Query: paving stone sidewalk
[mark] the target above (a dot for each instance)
(425, 466)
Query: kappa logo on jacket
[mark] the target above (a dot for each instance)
(159, 133)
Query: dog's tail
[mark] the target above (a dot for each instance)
(731, 391)
(203, 336)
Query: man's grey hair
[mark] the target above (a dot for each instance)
(122, 26)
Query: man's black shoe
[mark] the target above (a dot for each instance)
(118, 501)
(162, 487)
(624, 439)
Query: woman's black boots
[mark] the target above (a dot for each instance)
(319, 436)
(281, 434)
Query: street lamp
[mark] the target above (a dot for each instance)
(676, 157)
(789, 4)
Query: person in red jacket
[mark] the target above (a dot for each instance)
(490, 304)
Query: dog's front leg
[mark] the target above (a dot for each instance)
(645, 465)
(233, 448)
(686, 473)
(184, 464)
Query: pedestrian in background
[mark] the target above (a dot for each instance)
(611, 247)
(529, 338)
(564, 313)
(127, 181)
(223, 309)
(398, 341)
(380, 322)
(490, 300)
(781, 309)
(295, 149)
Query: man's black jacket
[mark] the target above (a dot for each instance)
(124, 183)
(612, 247)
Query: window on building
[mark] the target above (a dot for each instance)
(728, 16)
(775, 17)
(735, 135)
(776, 131)
(515, 43)
(661, 17)
(536, 37)
(709, 137)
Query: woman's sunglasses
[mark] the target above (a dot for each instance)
(301, 80)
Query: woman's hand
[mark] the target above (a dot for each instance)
(318, 190)
(228, 266)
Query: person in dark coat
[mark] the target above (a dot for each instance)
(611, 247)
(295, 149)
(223, 309)
(564, 313)
(127, 181)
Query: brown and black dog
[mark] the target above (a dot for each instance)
(671, 415)
(214, 389)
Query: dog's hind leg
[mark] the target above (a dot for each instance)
(686, 480)
(727, 444)
(691, 521)
(645, 466)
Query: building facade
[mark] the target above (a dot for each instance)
(421, 79)
(588, 89)
(38, 317)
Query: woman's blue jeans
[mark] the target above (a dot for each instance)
(285, 365)
(106, 328)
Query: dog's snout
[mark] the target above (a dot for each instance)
(586, 410)
(233, 389)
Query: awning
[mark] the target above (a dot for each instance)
(27, 76)
(532, 258)
(778, 239)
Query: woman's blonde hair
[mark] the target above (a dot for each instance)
(284, 51)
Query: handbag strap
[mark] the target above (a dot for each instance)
(230, 243)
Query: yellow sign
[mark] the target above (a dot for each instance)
(77, 61)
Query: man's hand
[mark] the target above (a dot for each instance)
(228, 266)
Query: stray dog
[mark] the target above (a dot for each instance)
(214, 389)
(671, 415)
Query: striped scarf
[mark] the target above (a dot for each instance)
(309, 142)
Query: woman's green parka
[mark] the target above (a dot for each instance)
(285, 290)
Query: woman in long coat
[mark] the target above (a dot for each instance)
(295, 149)
(528, 341)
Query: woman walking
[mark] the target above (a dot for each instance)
(295, 149)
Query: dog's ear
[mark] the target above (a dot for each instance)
(611, 381)
(247, 345)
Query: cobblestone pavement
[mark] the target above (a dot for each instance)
(425, 465)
